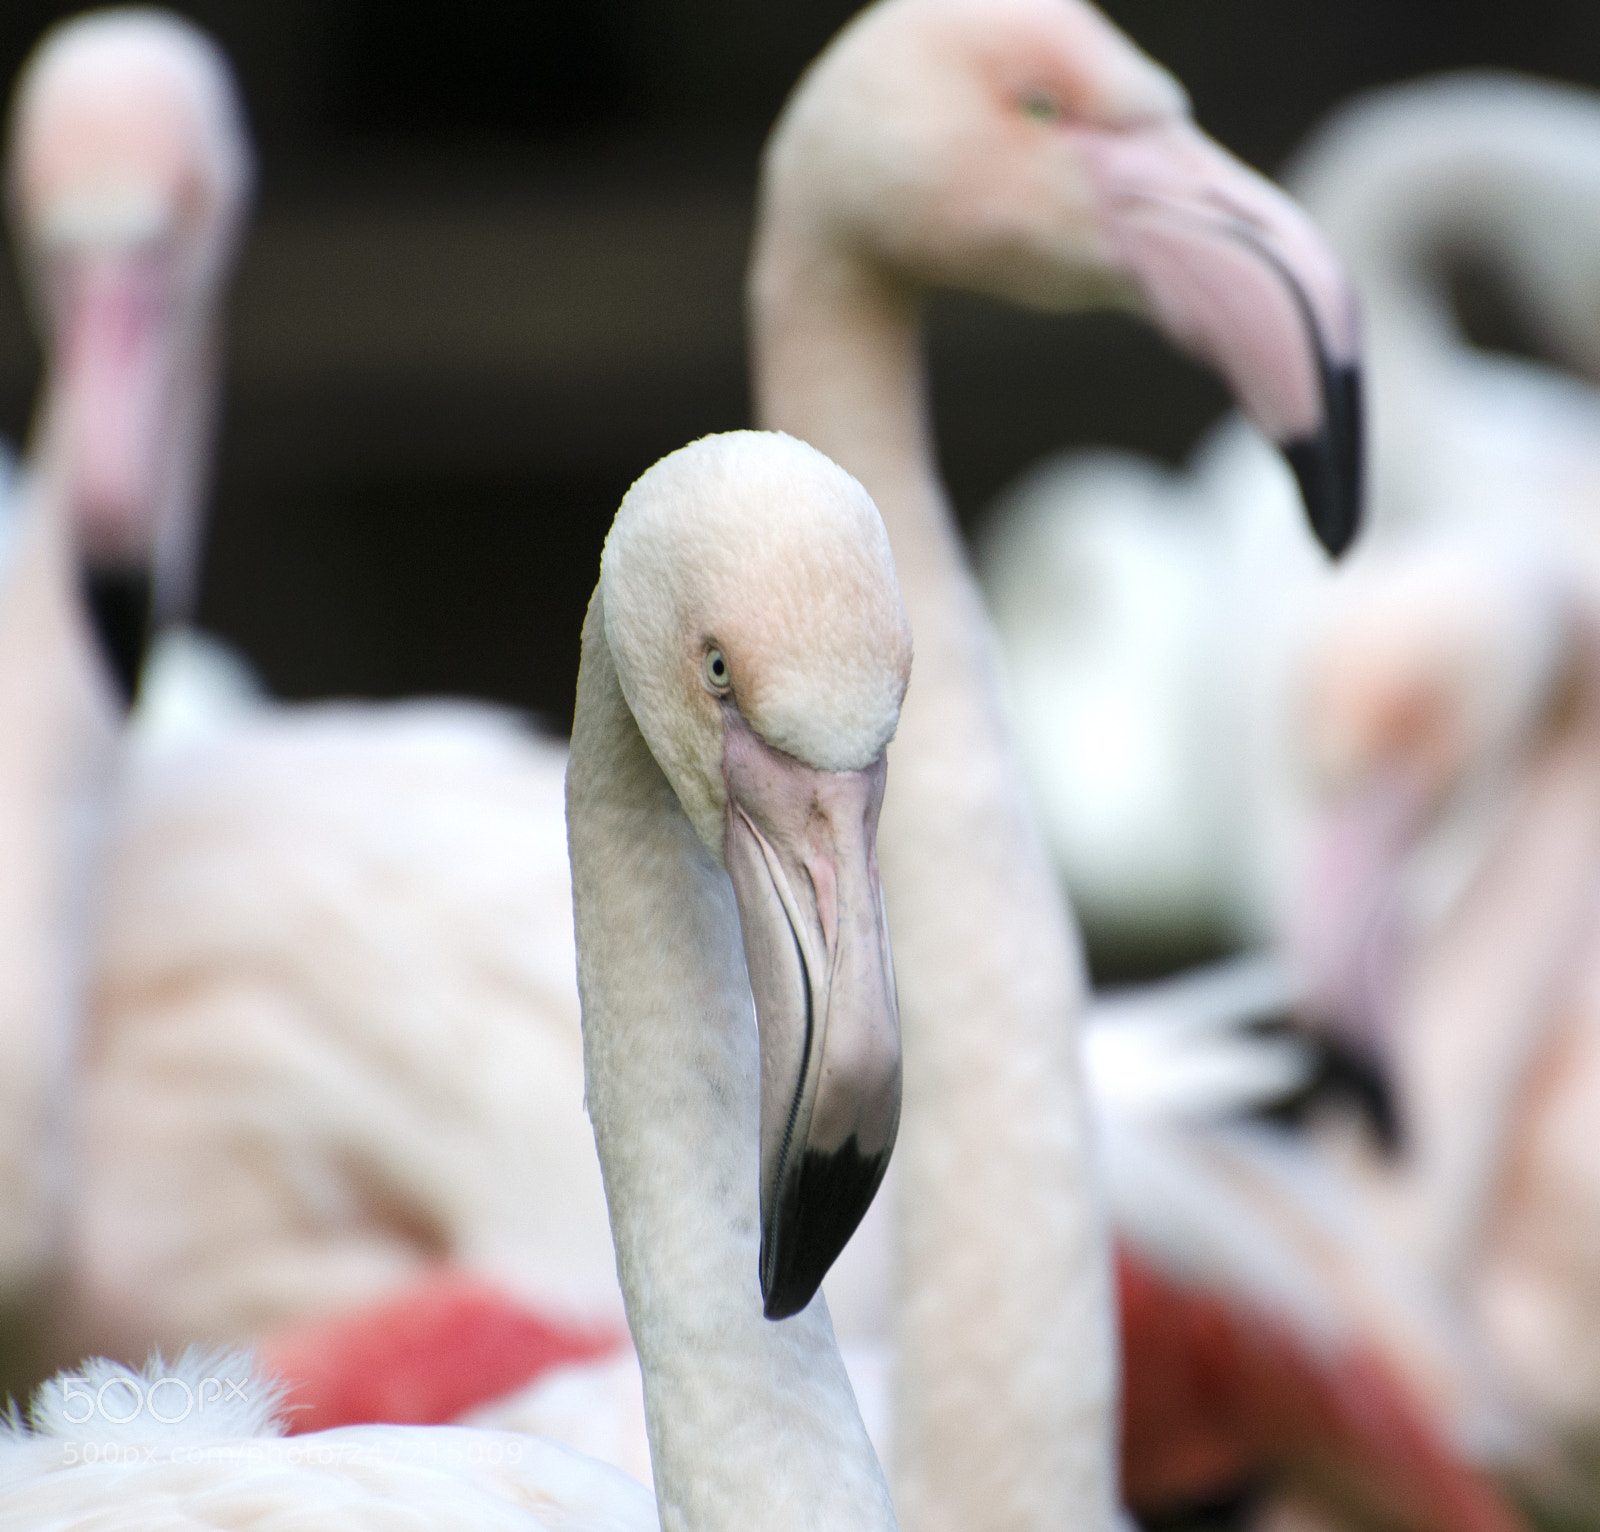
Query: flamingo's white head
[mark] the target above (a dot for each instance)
(753, 615)
(128, 175)
(1027, 149)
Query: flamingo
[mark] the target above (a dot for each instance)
(1029, 151)
(219, 1461)
(744, 660)
(1451, 724)
(1276, 1344)
(128, 175)
(127, 179)
(129, 172)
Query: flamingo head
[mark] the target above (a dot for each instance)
(128, 178)
(1026, 149)
(753, 614)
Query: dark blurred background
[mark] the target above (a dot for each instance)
(495, 272)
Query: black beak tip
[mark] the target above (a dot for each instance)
(119, 598)
(1329, 465)
(1354, 1077)
(816, 1216)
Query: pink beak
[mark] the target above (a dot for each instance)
(113, 359)
(1348, 940)
(801, 850)
(1237, 274)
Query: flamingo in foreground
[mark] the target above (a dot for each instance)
(127, 179)
(744, 659)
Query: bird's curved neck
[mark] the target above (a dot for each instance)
(1004, 1398)
(1464, 173)
(838, 362)
(751, 1422)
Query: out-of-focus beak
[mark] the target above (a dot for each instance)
(800, 847)
(120, 598)
(1236, 273)
(114, 361)
(1348, 934)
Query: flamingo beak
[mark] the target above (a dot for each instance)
(800, 847)
(1348, 934)
(115, 360)
(1234, 272)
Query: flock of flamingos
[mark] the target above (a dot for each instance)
(312, 1019)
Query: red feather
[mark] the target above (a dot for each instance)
(1216, 1397)
(423, 1358)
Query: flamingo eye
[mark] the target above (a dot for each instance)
(1040, 106)
(717, 676)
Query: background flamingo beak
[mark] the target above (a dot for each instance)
(1234, 272)
(115, 363)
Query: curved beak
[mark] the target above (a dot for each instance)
(1236, 273)
(120, 598)
(800, 847)
(114, 364)
(1348, 931)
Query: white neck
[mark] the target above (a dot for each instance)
(58, 723)
(752, 1423)
(1006, 1386)
(1498, 168)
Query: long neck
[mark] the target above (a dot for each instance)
(59, 723)
(1006, 1385)
(752, 1423)
(1500, 169)
(57, 747)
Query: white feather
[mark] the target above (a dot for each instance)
(1180, 1051)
